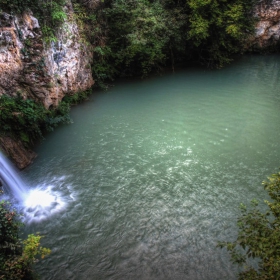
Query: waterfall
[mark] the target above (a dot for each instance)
(11, 179)
(36, 203)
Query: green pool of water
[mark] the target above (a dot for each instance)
(152, 173)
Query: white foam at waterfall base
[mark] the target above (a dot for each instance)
(35, 204)
(41, 203)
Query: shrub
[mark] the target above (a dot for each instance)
(16, 256)
(28, 120)
(258, 236)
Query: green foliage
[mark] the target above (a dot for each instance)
(51, 15)
(92, 30)
(87, 22)
(136, 37)
(142, 29)
(57, 13)
(48, 34)
(28, 120)
(218, 29)
(49, 12)
(18, 266)
(76, 98)
(259, 235)
(8, 230)
(16, 256)
(17, 6)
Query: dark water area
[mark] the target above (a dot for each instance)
(152, 173)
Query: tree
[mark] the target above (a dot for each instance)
(136, 37)
(219, 28)
(259, 236)
(139, 36)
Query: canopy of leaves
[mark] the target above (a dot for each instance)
(258, 237)
(219, 28)
(140, 35)
(135, 37)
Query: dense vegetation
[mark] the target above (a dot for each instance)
(258, 236)
(27, 120)
(136, 37)
(17, 256)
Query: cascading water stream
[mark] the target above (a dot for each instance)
(11, 179)
(35, 203)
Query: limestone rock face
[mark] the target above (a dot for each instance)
(268, 23)
(41, 71)
(68, 62)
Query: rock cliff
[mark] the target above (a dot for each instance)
(268, 23)
(40, 71)
(44, 72)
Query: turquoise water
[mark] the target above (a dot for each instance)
(152, 173)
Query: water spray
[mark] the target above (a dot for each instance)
(36, 203)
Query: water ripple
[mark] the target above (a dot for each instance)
(158, 182)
